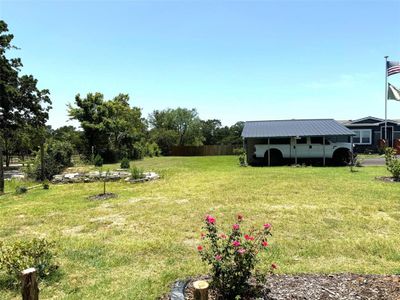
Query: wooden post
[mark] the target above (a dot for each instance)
(200, 290)
(30, 290)
(295, 151)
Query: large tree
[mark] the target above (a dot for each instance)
(110, 127)
(178, 126)
(21, 102)
(210, 130)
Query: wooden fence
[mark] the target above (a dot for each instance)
(205, 150)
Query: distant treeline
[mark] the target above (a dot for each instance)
(109, 128)
(115, 130)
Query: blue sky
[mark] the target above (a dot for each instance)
(232, 60)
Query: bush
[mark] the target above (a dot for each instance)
(138, 151)
(232, 256)
(46, 185)
(242, 160)
(152, 149)
(239, 151)
(125, 164)
(21, 189)
(21, 255)
(98, 161)
(392, 162)
(137, 173)
(57, 157)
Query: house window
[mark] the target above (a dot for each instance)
(362, 137)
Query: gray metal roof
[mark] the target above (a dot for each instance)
(288, 128)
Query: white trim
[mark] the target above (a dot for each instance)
(380, 132)
(360, 136)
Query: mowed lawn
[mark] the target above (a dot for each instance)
(133, 247)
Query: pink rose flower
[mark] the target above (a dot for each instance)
(241, 251)
(218, 257)
(267, 226)
(235, 226)
(210, 219)
(236, 243)
(265, 243)
(200, 248)
(222, 236)
(249, 237)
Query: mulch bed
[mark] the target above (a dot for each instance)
(321, 287)
(103, 196)
(387, 179)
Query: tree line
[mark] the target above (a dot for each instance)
(110, 128)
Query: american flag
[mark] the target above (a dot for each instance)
(393, 67)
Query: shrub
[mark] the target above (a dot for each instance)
(152, 149)
(125, 164)
(232, 256)
(46, 185)
(239, 151)
(20, 189)
(57, 156)
(36, 253)
(137, 173)
(98, 161)
(392, 162)
(242, 160)
(138, 151)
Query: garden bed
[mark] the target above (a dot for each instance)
(387, 179)
(312, 286)
(96, 176)
(104, 196)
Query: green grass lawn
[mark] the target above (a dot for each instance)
(133, 247)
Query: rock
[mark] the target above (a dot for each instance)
(71, 175)
(94, 174)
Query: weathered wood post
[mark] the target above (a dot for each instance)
(200, 290)
(29, 289)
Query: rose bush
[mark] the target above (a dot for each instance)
(232, 256)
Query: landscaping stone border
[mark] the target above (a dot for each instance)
(96, 176)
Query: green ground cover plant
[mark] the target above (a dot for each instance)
(134, 246)
(19, 255)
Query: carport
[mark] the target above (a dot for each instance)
(258, 135)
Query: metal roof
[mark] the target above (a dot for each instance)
(377, 121)
(289, 128)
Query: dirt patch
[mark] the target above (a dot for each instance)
(387, 179)
(319, 287)
(109, 220)
(103, 196)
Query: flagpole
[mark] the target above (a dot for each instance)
(386, 96)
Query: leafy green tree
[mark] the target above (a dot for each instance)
(110, 127)
(210, 130)
(178, 126)
(71, 134)
(21, 102)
